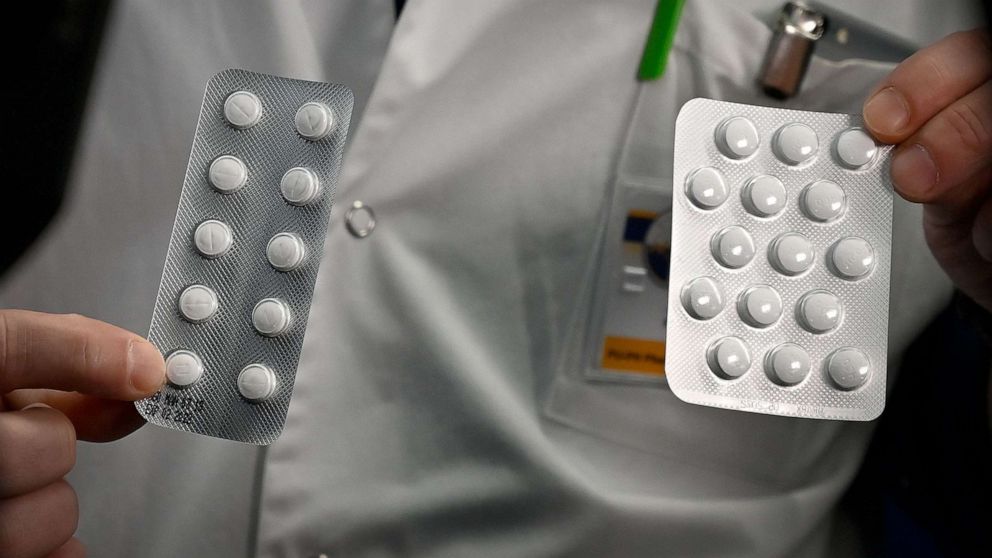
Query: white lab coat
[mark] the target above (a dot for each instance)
(428, 418)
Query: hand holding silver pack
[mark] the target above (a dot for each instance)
(781, 240)
(235, 295)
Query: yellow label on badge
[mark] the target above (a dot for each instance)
(628, 354)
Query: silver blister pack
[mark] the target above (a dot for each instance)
(781, 241)
(235, 295)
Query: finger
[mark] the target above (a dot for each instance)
(947, 151)
(39, 522)
(95, 419)
(73, 353)
(981, 231)
(39, 448)
(949, 231)
(74, 548)
(926, 82)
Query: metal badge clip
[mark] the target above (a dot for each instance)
(790, 49)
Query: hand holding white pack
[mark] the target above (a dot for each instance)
(235, 295)
(781, 239)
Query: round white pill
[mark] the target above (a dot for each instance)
(737, 138)
(706, 188)
(787, 364)
(314, 121)
(855, 148)
(227, 174)
(791, 253)
(702, 298)
(197, 303)
(256, 382)
(732, 247)
(848, 368)
(299, 186)
(285, 251)
(760, 306)
(183, 368)
(795, 143)
(242, 109)
(729, 357)
(271, 317)
(823, 201)
(763, 196)
(819, 311)
(212, 238)
(851, 258)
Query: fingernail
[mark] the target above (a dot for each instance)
(146, 367)
(887, 112)
(914, 172)
(35, 406)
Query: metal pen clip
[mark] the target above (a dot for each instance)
(790, 49)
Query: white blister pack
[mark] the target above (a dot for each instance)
(235, 295)
(781, 241)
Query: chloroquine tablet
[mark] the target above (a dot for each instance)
(183, 368)
(314, 121)
(299, 186)
(197, 303)
(795, 143)
(787, 215)
(729, 357)
(285, 251)
(256, 382)
(228, 174)
(271, 317)
(703, 298)
(764, 196)
(242, 109)
(733, 247)
(213, 238)
(237, 284)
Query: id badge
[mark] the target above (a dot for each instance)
(627, 325)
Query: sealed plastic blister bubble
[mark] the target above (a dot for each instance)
(781, 238)
(235, 294)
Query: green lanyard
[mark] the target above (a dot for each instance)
(660, 38)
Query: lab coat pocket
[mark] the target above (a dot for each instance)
(645, 415)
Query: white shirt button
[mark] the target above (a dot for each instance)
(795, 143)
(702, 298)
